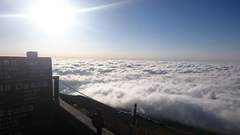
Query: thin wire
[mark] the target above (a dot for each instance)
(86, 96)
(75, 90)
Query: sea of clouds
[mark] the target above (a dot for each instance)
(201, 94)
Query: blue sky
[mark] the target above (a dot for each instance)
(159, 29)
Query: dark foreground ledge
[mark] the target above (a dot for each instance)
(119, 122)
(66, 123)
(77, 120)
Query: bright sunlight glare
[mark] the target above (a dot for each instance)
(52, 16)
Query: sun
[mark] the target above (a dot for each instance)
(52, 16)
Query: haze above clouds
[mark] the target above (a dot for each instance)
(197, 93)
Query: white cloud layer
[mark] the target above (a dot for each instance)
(197, 93)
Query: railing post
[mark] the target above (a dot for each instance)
(56, 89)
(134, 119)
(134, 114)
